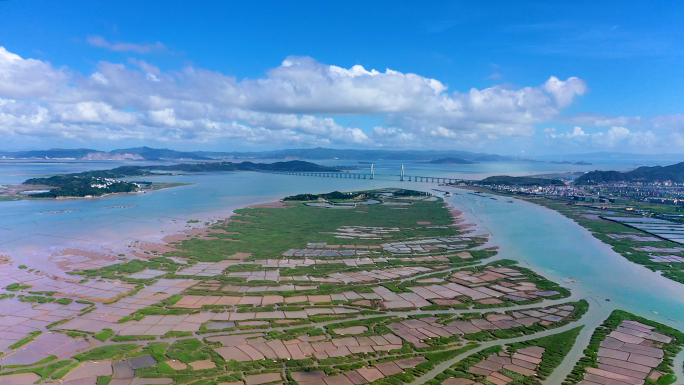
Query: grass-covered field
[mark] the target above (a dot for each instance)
(267, 232)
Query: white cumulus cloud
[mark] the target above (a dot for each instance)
(615, 137)
(295, 102)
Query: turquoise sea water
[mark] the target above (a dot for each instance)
(541, 238)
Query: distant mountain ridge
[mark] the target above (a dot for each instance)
(350, 154)
(293, 165)
(51, 153)
(450, 160)
(148, 153)
(152, 154)
(674, 173)
(139, 153)
(164, 153)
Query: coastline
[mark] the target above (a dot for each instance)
(464, 214)
(19, 197)
(604, 273)
(613, 238)
(159, 236)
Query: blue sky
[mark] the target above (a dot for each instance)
(264, 75)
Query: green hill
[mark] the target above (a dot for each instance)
(450, 160)
(89, 183)
(674, 173)
(521, 181)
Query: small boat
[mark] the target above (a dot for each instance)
(607, 299)
(655, 312)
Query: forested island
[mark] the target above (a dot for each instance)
(89, 183)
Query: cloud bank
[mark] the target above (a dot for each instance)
(615, 137)
(295, 103)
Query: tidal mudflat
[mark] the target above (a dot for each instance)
(403, 290)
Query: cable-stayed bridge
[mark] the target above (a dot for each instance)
(371, 175)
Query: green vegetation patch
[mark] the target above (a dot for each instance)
(188, 350)
(460, 369)
(104, 335)
(133, 338)
(48, 371)
(25, 340)
(580, 308)
(17, 287)
(107, 352)
(267, 232)
(122, 270)
(590, 358)
(557, 347)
